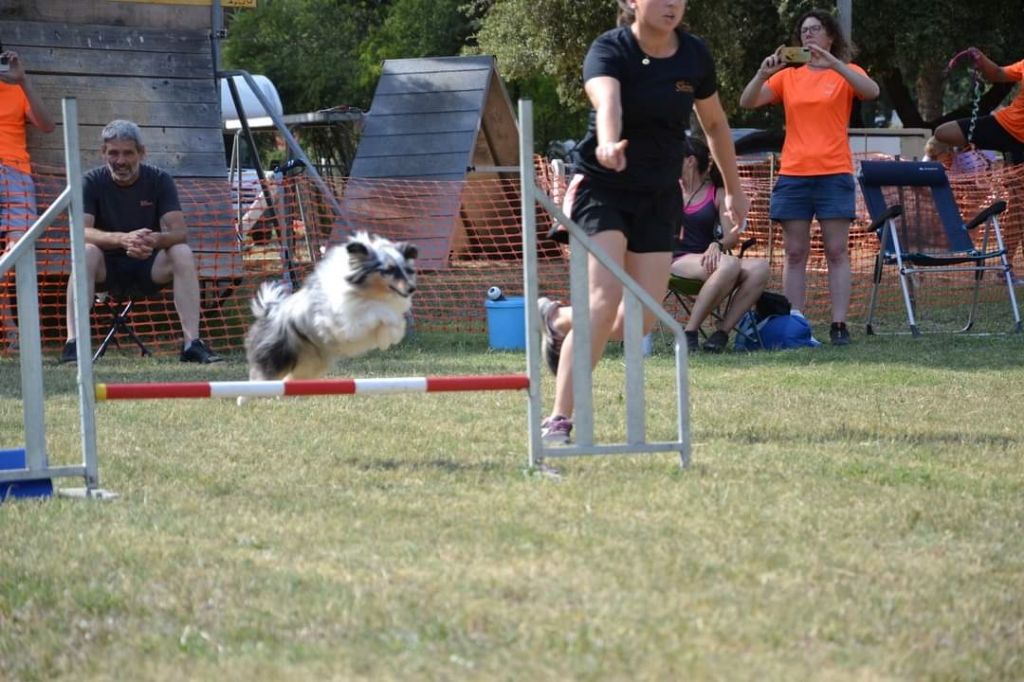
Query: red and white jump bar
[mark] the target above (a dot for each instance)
(271, 389)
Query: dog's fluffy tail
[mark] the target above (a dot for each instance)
(270, 295)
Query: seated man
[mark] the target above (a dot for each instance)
(700, 255)
(135, 236)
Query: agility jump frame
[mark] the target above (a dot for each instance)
(580, 245)
(309, 387)
(22, 255)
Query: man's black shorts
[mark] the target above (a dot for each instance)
(129, 276)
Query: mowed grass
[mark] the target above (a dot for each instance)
(853, 514)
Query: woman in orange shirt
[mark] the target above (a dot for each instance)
(1002, 131)
(816, 177)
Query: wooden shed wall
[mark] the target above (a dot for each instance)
(152, 64)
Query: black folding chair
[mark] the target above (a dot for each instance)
(119, 306)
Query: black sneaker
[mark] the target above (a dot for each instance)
(69, 352)
(692, 342)
(839, 334)
(552, 338)
(717, 342)
(198, 351)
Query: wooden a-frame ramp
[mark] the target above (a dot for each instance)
(443, 119)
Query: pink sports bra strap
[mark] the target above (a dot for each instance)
(710, 196)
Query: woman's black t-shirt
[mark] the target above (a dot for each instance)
(657, 100)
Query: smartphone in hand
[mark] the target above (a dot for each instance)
(796, 55)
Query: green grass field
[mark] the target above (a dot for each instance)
(853, 514)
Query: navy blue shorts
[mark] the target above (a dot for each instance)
(649, 220)
(127, 276)
(804, 197)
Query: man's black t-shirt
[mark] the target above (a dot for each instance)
(657, 99)
(124, 209)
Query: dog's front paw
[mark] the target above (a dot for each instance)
(389, 334)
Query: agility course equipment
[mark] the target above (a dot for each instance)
(22, 255)
(311, 387)
(37, 467)
(634, 296)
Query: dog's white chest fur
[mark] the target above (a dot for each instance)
(355, 301)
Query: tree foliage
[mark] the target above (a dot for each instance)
(906, 46)
(321, 53)
(308, 48)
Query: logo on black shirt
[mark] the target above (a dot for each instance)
(145, 202)
(684, 86)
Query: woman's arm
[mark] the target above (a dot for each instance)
(730, 232)
(862, 84)
(757, 93)
(604, 93)
(990, 71)
(716, 130)
(38, 114)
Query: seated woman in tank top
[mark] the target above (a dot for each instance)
(702, 252)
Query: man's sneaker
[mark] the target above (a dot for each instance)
(555, 430)
(717, 342)
(553, 339)
(692, 342)
(69, 352)
(198, 351)
(839, 334)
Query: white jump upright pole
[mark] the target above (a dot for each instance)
(79, 275)
(582, 248)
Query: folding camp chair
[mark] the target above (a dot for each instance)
(920, 231)
(684, 291)
(119, 307)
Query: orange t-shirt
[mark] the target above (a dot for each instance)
(817, 103)
(1012, 117)
(14, 110)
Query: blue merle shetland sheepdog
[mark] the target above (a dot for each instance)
(355, 300)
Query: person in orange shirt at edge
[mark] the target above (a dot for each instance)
(1002, 131)
(816, 175)
(18, 104)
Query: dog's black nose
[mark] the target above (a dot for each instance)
(412, 288)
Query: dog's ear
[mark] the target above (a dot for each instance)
(409, 251)
(357, 249)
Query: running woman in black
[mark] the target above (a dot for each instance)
(643, 80)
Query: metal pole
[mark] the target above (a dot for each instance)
(86, 392)
(528, 208)
(216, 33)
(846, 17)
(293, 144)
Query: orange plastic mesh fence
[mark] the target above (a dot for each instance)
(468, 237)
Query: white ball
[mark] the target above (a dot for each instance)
(494, 294)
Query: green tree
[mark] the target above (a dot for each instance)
(906, 46)
(308, 48)
(534, 50)
(414, 28)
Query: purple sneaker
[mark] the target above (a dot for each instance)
(552, 346)
(555, 430)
